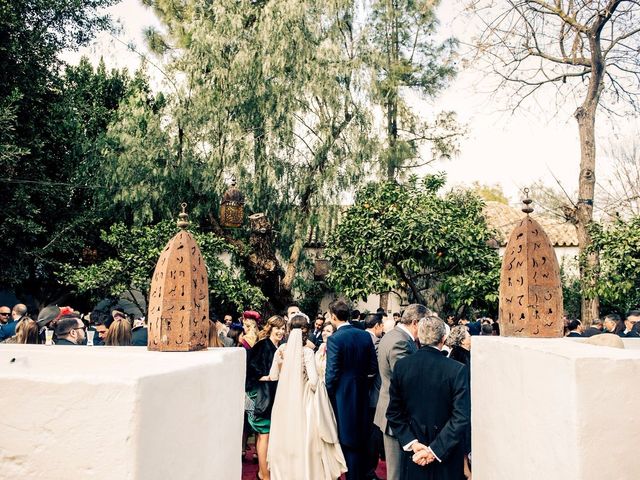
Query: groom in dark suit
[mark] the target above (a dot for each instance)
(429, 408)
(351, 367)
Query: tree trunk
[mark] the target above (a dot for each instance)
(292, 265)
(586, 117)
(392, 93)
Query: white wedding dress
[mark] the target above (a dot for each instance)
(303, 441)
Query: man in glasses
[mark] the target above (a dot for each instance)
(16, 315)
(70, 331)
(5, 313)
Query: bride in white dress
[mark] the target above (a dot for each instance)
(303, 443)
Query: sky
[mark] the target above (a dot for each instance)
(512, 150)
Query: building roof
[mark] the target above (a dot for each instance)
(504, 218)
(500, 217)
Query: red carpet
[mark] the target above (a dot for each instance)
(249, 469)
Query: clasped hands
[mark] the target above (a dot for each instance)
(422, 454)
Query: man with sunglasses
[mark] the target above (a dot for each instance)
(5, 313)
(70, 331)
(8, 330)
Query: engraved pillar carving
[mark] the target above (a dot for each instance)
(530, 289)
(179, 298)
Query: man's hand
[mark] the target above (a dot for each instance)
(422, 455)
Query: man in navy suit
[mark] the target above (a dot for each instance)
(351, 367)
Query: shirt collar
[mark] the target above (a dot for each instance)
(342, 325)
(406, 330)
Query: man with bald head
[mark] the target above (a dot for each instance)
(5, 314)
(8, 330)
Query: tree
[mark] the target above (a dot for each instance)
(406, 60)
(267, 91)
(39, 152)
(617, 281)
(407, 236)
(583, 49)
(132, 260)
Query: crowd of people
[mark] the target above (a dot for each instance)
(334, 395)
(66, 326)
(629, 327)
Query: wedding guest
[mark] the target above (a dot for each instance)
(574, 328)
(351, 366)
(260, 390)
(119, 333)
(328, 329)
(236, 333)
(250, 336)
(594, 329)
(430, 390)
(70, 331)
(632, 318)
(214, 339)
(459, 341)
(396, 344)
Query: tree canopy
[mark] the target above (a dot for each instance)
(412, 237)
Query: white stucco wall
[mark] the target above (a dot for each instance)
(554, 409)
(120, 413)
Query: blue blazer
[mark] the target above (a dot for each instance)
(8, 330)
(351, 367)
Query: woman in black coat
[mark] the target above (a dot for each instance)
(259, 389)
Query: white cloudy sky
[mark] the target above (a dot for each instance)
(512, 150)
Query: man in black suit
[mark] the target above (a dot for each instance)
(594, 329)
(351, 366)
(429, 408)
(574, 327)
(632, 318)
(315, 337)
(373, 325)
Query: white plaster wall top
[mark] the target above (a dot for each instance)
(110, 364)
(568, 347)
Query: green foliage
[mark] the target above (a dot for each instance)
(617, 281)
(407, 236)
(134, 254)
(45, 138)
(571, 293)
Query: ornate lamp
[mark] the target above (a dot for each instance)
(232, 207)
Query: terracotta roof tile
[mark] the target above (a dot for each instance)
(503, 218)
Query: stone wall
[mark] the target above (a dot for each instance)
(120, 413)
(554, 409)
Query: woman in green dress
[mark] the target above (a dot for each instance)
(259, 361)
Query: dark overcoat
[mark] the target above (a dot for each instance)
(351, 366)
(429, 402)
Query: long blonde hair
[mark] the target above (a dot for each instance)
(119, 333)
(27, 331)
(214, 338)
(250, 331)
(274, 322)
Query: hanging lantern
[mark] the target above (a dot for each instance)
(232, 207)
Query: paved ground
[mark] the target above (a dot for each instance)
(249, 468)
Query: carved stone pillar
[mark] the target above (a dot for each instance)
(530, 289)
(179, 298)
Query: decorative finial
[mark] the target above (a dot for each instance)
(527, 202)
(183, 217)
